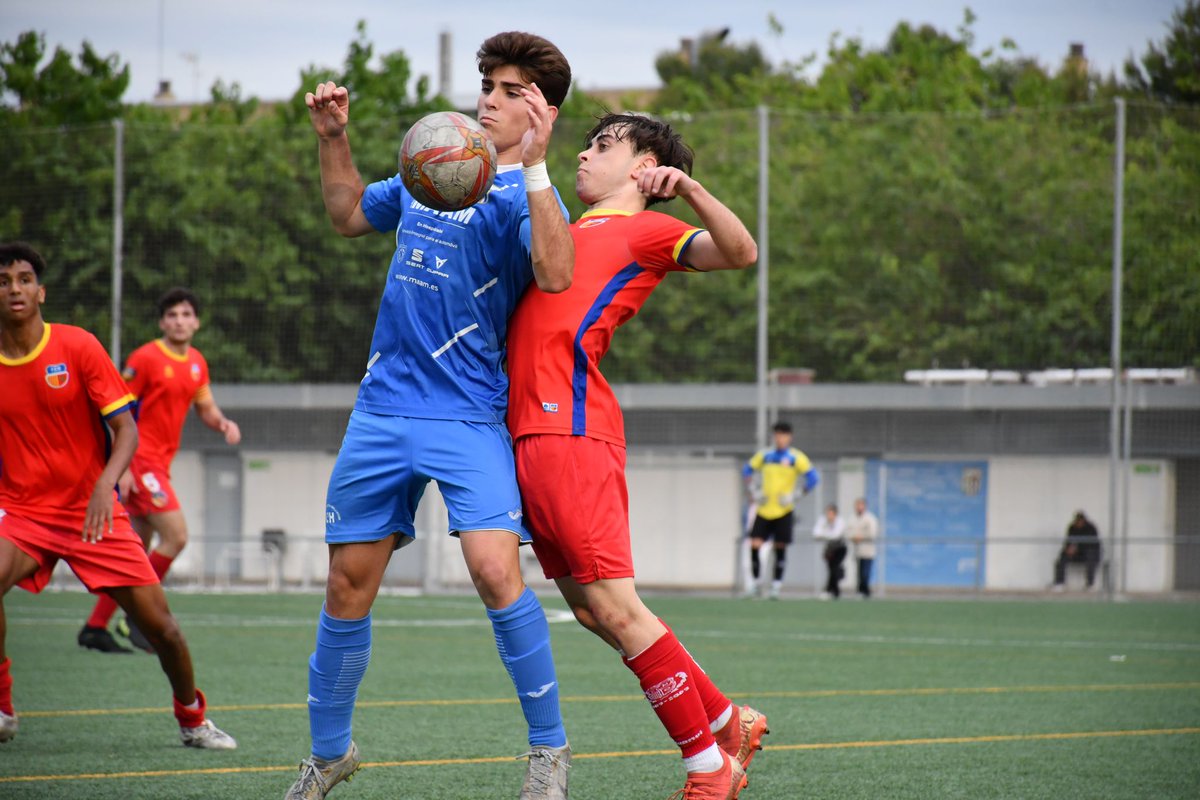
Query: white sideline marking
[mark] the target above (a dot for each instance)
(949, 642)
(232, 621)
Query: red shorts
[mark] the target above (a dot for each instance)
(576, 506)
(119, 559)
(152, 491)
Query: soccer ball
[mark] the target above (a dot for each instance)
(448, 161)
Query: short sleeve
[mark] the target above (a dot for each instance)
(383, 203)
(660, 242)
(105, 386)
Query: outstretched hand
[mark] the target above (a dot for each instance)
(328, 109)
(536, 141)
(665, 182)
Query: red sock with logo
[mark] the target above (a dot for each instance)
(664, 671)
(102, 612)
(191, 717)
(6, 687)
(714, 701)
(160, 563)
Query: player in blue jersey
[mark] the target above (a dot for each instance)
(432, 403)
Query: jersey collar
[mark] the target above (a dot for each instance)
(169, 352)
(32, 354)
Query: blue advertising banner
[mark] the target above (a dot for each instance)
(933, 515)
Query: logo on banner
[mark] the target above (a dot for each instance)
(972, 481)
(57, 376)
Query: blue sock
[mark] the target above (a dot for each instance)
(335, 670)
(523, 639)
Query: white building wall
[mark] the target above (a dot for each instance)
(684, 518)
(1037, 497)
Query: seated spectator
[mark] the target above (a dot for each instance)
(1081, 547)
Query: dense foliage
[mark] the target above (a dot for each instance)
(928, 205)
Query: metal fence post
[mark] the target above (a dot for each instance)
(764, 158)
(118, 236)
(1114, 414)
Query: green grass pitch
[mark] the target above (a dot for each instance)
(882, 699)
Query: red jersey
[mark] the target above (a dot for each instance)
(53, 442)
(165, 385)
(556, 341)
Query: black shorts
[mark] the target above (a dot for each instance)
(780, 530)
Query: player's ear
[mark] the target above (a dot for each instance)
(553, 112)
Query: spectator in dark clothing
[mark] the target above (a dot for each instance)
(1081, 547)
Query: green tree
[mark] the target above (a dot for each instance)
(1170, 71)
(60, 92)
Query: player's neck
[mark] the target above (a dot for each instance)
(630, 202)
(179, 349)
(18, 341)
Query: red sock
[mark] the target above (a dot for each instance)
(6, 687)
(664, 671)
(191, 717)
(160, 563)
(102, 612)
(714, 701)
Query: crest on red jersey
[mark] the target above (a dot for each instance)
(57, 376)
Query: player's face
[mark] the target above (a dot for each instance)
(21, 296)
(502, 109)
(180, 323)
(783, 440)
(607, 167)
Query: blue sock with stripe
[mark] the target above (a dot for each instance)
(523, 639)
(335, 670)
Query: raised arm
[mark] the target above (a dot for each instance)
(551, 245)
(341, 186)
(725, 243)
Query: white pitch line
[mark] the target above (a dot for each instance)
(949, 641)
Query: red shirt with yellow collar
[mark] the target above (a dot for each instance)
(53, 441)
(556, 341)
(166, 385)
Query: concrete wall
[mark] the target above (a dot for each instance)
(685, 520)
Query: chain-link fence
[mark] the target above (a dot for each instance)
(895, 243)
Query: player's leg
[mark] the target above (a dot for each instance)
(669, 679)
(15, 565)
(95, 634)
(370, 502)
(171, 527)
(147, 608)
(521, 630)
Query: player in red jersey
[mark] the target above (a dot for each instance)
(167, 377)
(58, 472)
(569, 433)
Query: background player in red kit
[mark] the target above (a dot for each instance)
(57, 477)
(569, 433)
(167, 377)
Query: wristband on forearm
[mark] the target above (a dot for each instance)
(537, 177)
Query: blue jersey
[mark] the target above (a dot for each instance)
(438, 347)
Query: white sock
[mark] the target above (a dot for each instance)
(722, 720)
(709, 760)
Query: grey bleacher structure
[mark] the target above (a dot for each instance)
(945, 415)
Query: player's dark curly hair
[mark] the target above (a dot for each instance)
(538, 60)
(647, 135)
(12, 252)
(173, 297)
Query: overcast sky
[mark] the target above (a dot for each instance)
(263, 44)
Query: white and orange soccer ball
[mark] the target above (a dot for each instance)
(448, 161)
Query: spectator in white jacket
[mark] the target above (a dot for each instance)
(832, 530)
(862, 531)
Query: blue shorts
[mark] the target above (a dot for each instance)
(385, 463)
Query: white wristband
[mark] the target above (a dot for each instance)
(537, 177)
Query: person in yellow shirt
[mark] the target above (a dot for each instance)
(771, 476)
